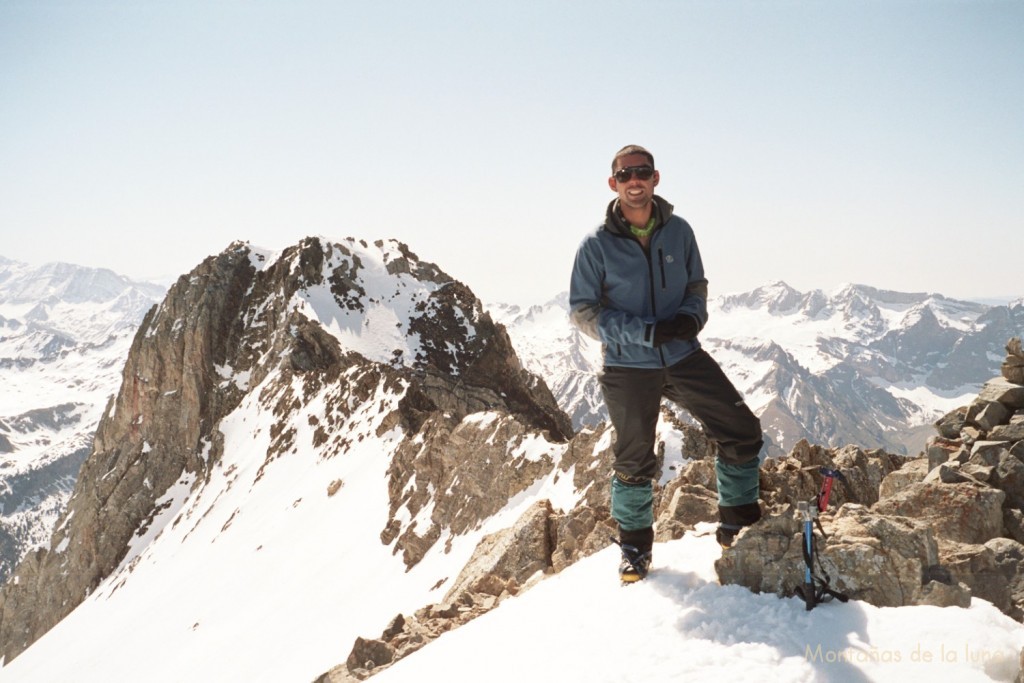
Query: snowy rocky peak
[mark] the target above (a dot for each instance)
(855, 310)
(381, 301)
(823, 331)
(901, 309)
(513, 314)
(854, 302)
(776, 297)
(378, 300)
(256, 364)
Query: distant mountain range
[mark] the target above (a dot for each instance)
(858, 365)
(65, 331)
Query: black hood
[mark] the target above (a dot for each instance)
(614, 222)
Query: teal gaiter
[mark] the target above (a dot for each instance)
(633, 504)
(737, 484)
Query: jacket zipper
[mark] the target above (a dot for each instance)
(661, 264)
(654, 300)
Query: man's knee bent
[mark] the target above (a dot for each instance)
(745, 443)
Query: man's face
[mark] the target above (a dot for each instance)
(634, 192)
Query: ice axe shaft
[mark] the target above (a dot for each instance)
(806, 512)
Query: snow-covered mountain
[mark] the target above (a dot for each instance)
(858, 365)
(65, 331)
(299, 445)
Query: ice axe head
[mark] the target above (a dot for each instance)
(828, 476)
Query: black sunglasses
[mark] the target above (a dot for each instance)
(642, 172)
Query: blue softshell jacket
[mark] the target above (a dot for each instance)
(619, 290)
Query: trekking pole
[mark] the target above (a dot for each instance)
(808, 516)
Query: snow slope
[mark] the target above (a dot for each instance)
(259, 575)
(680, 625)
(194, 616)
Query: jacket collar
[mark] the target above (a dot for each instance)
(616, 224)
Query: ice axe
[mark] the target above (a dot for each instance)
(816, 589)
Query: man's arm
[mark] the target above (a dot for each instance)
(586, 309)
(695, 300)
(585, 292)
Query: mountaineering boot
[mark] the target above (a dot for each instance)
(725, 534)
(636, 554)
(634, 565)
(731, 519)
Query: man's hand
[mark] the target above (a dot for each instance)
(683, 326)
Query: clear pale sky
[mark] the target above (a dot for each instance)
(818, 143)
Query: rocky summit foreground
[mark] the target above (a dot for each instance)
(935, 530)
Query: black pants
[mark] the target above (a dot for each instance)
(697, 384)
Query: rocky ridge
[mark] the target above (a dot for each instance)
(546, 538)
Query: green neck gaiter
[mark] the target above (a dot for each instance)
(644, 231)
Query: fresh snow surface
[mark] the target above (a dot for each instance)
(681, 625)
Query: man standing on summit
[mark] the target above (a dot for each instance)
(638, 286)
